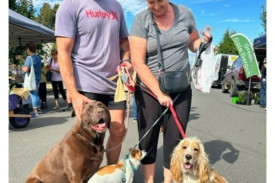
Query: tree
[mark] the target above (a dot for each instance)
(263, 18)
(25, 8)
(226, 46)
(46, 16)
(12, 5)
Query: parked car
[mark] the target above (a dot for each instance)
(223, 63)
(235, 80)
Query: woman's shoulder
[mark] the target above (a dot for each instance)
(181, 8)
(143, 14)
(142, 18)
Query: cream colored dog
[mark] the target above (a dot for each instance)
(190, 164)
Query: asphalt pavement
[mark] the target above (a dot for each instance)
(234, 137)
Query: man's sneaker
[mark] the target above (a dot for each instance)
(134, 120)
(39, 111)
(34, 114)
(56, 107)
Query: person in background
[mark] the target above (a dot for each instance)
(56, 80)
(134, 108)
(263, 85)
(36, 60)
(89, 54)
(178, 33)
(43, 87)
(69, 100)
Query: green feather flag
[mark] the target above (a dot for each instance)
(247, 54)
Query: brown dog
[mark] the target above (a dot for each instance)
(79, 154)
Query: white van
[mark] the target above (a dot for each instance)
(223, 63)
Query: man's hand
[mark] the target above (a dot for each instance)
(79, 101)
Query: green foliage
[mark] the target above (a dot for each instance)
(245, 96)
(46, 16)
(12, 5)
(242, 96)
(226, 46)
(257, 98)
(263, 18)
(16, 50)
(25, 8)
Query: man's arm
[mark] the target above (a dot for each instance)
(126, 59)
(64, 48)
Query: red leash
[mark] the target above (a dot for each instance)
(172, 111)
(177, 121)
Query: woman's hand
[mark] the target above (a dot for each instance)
(165, 100)
(19, 57)
(129, 66)
(207, 36)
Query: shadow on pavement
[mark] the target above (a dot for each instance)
(218, 150)
(41, 122)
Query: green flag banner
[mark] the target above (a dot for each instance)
(247, 54)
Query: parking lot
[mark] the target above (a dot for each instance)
(234, 137)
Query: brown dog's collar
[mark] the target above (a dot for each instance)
(89, 142)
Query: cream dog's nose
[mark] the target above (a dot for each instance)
(188, 156)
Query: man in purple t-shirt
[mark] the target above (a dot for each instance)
(89, 35)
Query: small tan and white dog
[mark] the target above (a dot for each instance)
(190, 164)
(117, 172)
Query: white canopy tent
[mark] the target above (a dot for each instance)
(23, 30)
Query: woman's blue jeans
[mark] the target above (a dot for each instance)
(35, 98)
(135, 115)
(263, 93)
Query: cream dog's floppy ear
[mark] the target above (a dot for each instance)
(203, 165)
(175, 167)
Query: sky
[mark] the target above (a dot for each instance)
(242, 16)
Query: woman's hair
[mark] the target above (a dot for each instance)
(31, 47)
(54, 51)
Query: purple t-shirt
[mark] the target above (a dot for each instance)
(96, 27)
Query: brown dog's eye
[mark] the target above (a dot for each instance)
(184, 147)
(196, 149)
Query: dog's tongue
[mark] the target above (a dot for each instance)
(187, 166)
(99, 126)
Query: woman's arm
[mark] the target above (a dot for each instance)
(24, 67)
(138, 55)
